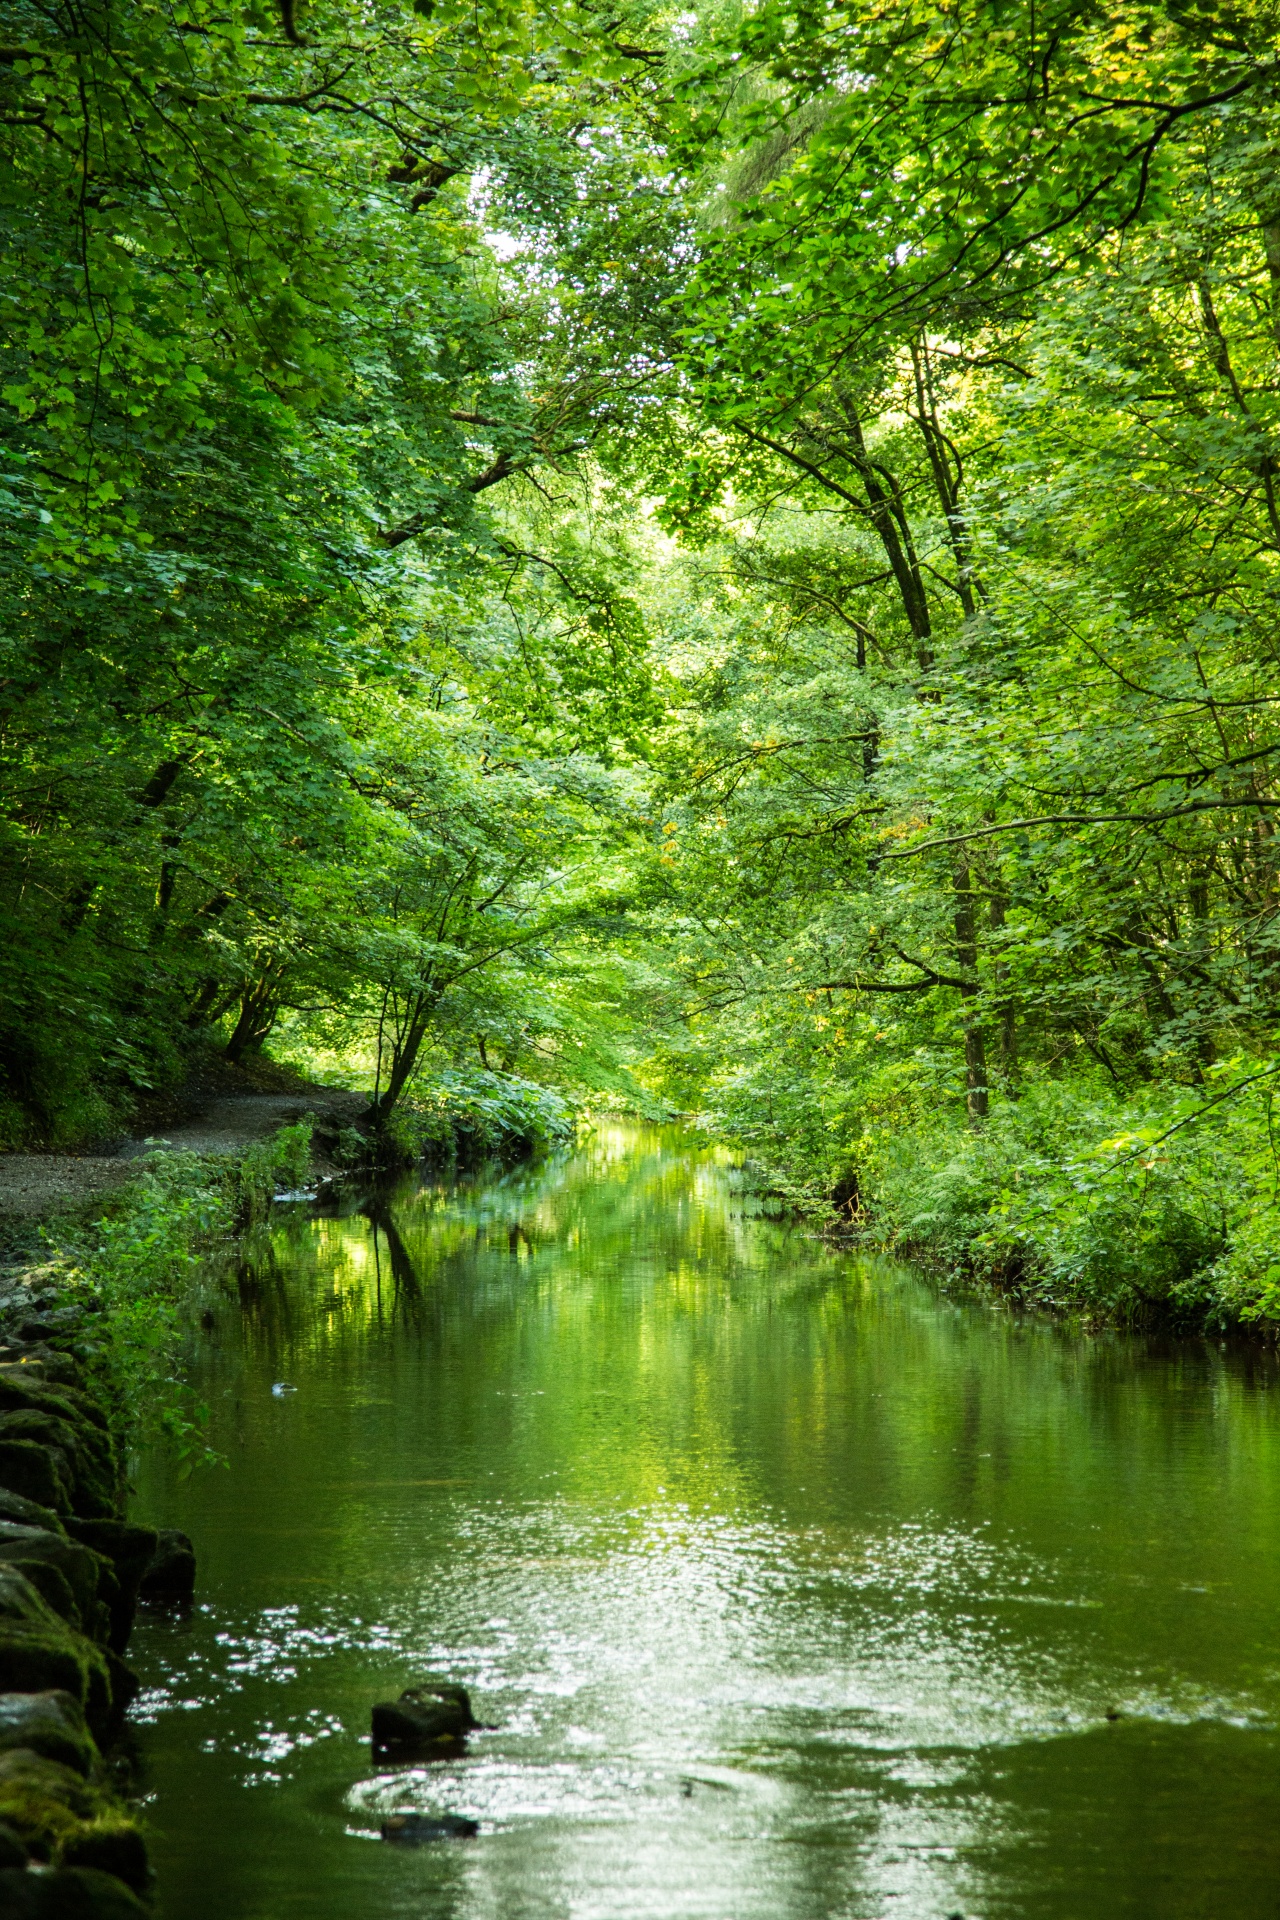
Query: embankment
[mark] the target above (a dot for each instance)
(72, 1573)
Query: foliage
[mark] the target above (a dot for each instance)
(472, 1115)
(1043, 1201)
(267, 649)
(969, 789)
(747, 538)
(134, 1266)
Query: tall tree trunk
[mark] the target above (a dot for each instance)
(941, 453)
(1007, 1038)
(259, 1006)
(975, 1049)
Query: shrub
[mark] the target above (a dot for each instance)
(476, 1115)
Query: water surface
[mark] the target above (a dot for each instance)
(792, 1587)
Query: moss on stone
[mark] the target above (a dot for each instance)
(46, 1803)
(112, 1845)
(39, 1651)
(36, 1473)
(73, 1893)
(26, 1513)
(51, 1724)
(68, 1589)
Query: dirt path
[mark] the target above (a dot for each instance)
(210, 1120)
(233, 1121)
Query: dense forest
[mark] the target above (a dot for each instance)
(723, 561)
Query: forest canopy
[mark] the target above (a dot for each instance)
(724, 560)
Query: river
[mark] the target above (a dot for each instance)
(792, 1587)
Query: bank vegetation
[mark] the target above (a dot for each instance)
(716, 560)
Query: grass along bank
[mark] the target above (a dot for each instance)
(1159, 1206)
(129, 1266)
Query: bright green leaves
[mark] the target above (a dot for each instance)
(936, 170)
(264, 384)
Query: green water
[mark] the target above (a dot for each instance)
(793, 1588)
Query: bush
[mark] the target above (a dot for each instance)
(1163, 1205)
(472, 1116)
(1130, 1212)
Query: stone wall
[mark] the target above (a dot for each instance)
(72, 1573)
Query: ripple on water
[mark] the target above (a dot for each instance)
(793, 1592)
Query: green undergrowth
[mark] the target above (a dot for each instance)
(468, 1116)
(133, 1266)
(1161, 1206)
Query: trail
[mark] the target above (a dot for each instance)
(214, 1115)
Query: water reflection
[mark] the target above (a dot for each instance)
(794, 1588)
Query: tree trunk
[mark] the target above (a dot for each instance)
(406, 1046)
(1007, 1039)
(975, 1050)
(259, 1006)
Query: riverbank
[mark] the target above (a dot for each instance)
(72, 1573)
(1156, 1208)
(97, 1254)
(221, 1109)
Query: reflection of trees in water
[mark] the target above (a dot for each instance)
(617, 1327)
(266, 1289)
(629, 1183)
(409, 1301)
(457, 1263)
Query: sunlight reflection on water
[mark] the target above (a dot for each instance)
(791, 1588)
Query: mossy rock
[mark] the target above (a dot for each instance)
(34, 1396)
(82, 1405)
(40, 1652)
(82, 1431)
(170, 1576)
(111, 1846)
(130, 1551)
(72, 1893)
(51, 1724)
(85, 1574)
(46, 1803)
(39, 1363)
(12, 1851)
(62, 1402)
(87, 1450)
(28, 1513)
(125, 1688)
(36, 1473)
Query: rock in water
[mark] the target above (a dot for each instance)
(434, 1687)
(407, 1725)
(170, 1577)
(416, 1829)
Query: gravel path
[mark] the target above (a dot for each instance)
(37, 1185)
(33, 1185)
(236, 1120)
